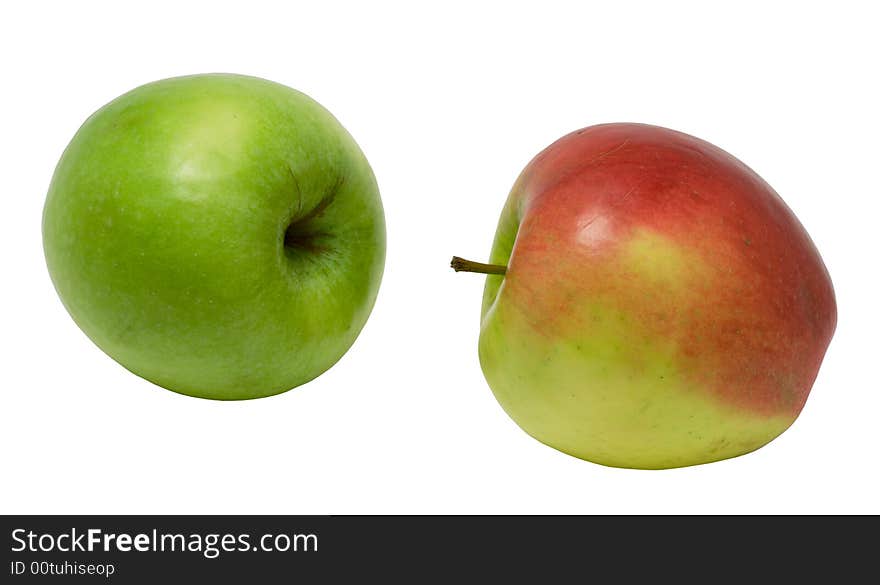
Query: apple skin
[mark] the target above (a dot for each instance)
(165, 231)
(662, 306)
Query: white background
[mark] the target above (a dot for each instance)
(448, 103)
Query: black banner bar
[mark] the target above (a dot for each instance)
(256, 549)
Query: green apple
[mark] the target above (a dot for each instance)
(651, 302)
(219, 235)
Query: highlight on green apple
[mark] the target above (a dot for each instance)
(219, 235)
(650, 301)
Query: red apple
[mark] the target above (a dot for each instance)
(660, 305)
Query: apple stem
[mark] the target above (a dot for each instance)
(462, 265)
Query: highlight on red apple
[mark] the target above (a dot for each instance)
(219, 235)
(650, 301)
